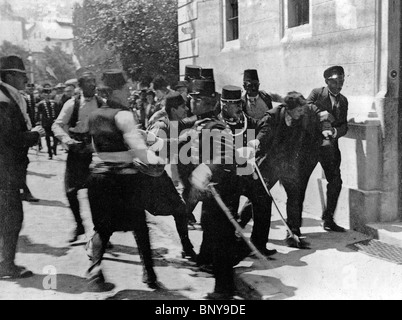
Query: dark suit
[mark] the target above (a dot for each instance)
(330, 156)
(15, 139)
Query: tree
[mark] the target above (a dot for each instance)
(138, 35)
(60, 62)
(7, 49)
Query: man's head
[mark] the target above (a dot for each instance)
(160, 86)
(335, 78)
(231, 104)
(30, 88)
(251, 82)
(150, 96)
(182, 87)
(60, 88)
(12, 72)
(116, 81)
(176, 106)
(203, 96)
(295, 104)
(46, 91)
(87, 83)
(69, 90)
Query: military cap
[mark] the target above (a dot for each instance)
(207, 74)
(205, 88)
(114, 78)
(192, 72)
(173, 100)
(231, 93)
(250, 75)
(12, 63)
(294, 99)
(334, 72)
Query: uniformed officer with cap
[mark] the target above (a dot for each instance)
(330, 99)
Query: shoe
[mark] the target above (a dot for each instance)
(50, 158)
(267, 252)
(149, 278)
(330, 225)
(218, 296)
(80, 230)
(29, 198)
(189, 254)
(12, 271)
(293, 243)
(97, 283)
(207, 268)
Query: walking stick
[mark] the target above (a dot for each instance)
(239, 230)
(294, 236)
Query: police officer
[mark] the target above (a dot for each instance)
(48, 110)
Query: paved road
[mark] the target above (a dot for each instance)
(330, 270)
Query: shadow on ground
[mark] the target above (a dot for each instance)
(26, 245)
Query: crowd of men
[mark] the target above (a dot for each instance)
(223, 145)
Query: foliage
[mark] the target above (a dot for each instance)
(60, 62)
(138, 35)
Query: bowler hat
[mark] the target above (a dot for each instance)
(334, 72)
(174, 100)
(114, 78)
(12, 63)
(250, 75)
(294, 99)
(231, 93)
(205, 88)
(192, 72)
(207, 74)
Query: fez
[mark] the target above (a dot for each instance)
(113, 78)
(250, 75)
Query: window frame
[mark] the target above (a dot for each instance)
(299, 32)
(233, 43)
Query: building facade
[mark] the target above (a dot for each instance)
(291, 43)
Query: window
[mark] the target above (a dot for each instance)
(232, 20)
(298, 13)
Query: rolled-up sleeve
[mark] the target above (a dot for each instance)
(60, 125)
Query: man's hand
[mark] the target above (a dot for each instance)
(73, 145)
(40, 130)
(201, 177)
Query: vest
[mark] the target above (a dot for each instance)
(105, 134)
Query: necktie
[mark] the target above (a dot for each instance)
(335, 105)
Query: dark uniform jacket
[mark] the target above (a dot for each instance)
(321, 98)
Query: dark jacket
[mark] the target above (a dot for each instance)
(15, 140)
(321, 98)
